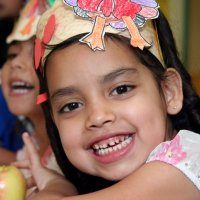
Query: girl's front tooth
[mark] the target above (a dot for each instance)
(103, 146)
(111, 143)
(116, 140)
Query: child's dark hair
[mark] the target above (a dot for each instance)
(188, 118)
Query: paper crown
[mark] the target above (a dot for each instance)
(95, 18)
(26, 25)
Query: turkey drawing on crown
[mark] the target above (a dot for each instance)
(119, 14)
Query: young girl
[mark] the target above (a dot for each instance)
(121, 117)
(10, 128)
(20, 83)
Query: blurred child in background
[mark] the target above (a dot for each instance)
(10, 127)
(20, 83)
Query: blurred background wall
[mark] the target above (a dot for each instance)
(194, 42)
(184, 18)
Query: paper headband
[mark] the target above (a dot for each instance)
(26, 25)
(68, 18)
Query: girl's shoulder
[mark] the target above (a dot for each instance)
(183, 152)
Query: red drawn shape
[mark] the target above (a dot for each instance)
(126, 8)
(49, 29)
(39, 51)
(89, 5)
(107, 7)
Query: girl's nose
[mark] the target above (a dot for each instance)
(17, 63)
(100, 116)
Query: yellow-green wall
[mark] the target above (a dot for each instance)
(194, 42)
(176, 13)
(184, 18)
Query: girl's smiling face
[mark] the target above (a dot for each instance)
(107, 107)
(20, 83)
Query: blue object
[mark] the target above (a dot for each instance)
(10, 132)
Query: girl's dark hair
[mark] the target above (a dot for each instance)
(188, 118)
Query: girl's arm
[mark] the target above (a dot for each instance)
(153, 181)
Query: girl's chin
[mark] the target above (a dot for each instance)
(115, 174)
(114, 178)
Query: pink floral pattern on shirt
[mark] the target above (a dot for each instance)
(172, 152)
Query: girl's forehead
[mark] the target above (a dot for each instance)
(77, 57)
(76, 50)
(78, 63)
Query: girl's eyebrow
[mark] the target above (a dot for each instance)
(63, 91)
(70, 90)
(118, 72)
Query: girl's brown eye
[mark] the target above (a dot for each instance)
(122, 89)
(70, 107)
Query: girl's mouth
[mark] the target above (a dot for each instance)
(20, 87)
(113, 148)
(112, 145)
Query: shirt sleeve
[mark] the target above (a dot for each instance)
(183, 152)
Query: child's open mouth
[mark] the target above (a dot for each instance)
(20, 87)
(112, 145)
(113, 148)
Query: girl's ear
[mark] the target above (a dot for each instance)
(172, 89)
